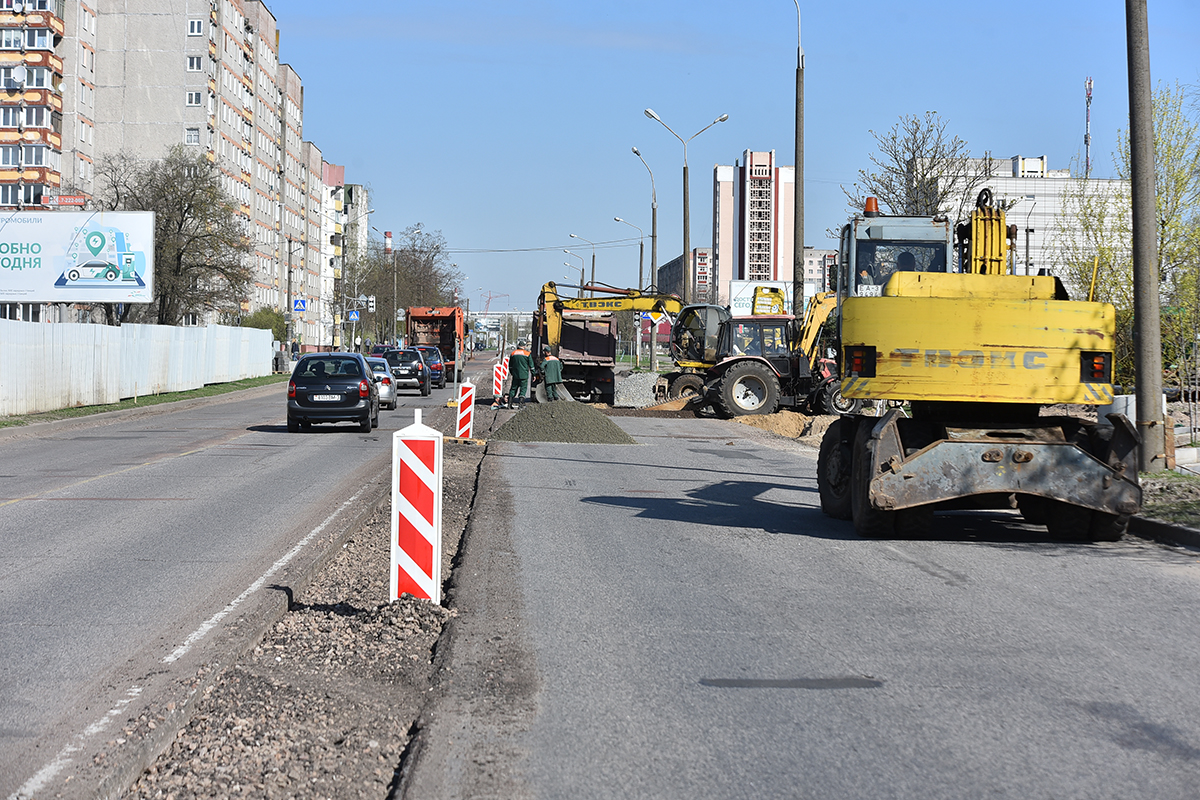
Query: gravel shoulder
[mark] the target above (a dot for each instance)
(325, 705)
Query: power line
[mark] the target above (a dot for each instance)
(608, 245)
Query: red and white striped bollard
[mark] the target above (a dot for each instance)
(466, 411)
(417, 512)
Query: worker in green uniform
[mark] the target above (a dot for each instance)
(551, 373)
(520, 370)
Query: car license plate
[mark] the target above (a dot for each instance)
(326, 398)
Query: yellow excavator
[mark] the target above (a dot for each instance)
(985, 360)
(582, 333)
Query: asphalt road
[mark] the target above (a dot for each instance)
(677, 619)
(135, 547)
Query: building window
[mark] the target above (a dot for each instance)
(30, 194)
(193, 98)
(195, 63)
(191, 136)
(195, 27)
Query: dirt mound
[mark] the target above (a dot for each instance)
(573, 423)
(791, 424)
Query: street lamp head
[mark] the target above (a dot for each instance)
(722, 118)
(573, 236)
(650, 113)
(568, 252)
(617, 219)
(636, 152)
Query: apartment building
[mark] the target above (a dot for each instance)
(753, 218)
(85, 80)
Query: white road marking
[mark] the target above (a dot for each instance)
(46, 774)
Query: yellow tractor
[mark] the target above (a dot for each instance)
(985, 360)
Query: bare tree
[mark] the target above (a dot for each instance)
(200, 238)
(920, 170)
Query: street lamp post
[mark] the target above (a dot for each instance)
(798, 187)
(581, 269)
(593, 244)
(653, 223)
(637, 359)
(641, 248)
(687, 241)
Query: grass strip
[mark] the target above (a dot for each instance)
(210, 390)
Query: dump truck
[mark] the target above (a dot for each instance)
(975, 364)
(443, 328)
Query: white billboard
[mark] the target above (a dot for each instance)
(77, 257)
(741, 294)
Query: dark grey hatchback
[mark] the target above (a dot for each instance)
(332, 387)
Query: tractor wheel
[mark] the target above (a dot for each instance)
(687, 385)
(833, 402)
(833, 471)
(870, 523)
(749, 388)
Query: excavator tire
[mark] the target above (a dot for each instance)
(833, 402)
(748, 388)
(869, 523)
(688, 384)
(833, 471)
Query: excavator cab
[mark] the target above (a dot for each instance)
(695, 336)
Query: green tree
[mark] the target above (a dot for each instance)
(268, 319)
(920, 170)
(200, 238)
(1094, 233)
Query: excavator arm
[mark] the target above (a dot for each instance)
(552, 305)
(819, 308)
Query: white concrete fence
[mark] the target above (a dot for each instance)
(50, 366)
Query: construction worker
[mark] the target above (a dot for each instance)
(551, 373)
(520, 370)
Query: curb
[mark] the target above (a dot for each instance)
(104, 417)
(1165, 532)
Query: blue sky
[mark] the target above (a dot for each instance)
(508, 126)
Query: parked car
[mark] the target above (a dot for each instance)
(410, 370)
(387, 384)
(332, 387)
(433, 357)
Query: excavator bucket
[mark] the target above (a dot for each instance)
(691, 402)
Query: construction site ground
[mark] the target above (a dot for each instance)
(328, 703)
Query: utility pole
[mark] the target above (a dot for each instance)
(1147, 325)
(798, 190)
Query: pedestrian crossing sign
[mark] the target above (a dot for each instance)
(298, 305)
(352, 316)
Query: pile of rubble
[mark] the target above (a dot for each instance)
(572, 423)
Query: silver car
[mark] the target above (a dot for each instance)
(387, 384)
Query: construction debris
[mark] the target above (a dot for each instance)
(572, 423)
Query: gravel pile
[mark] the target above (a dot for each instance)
(325, 705)
(635, 390)
(573, 423)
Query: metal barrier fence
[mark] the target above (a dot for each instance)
(44, 367)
